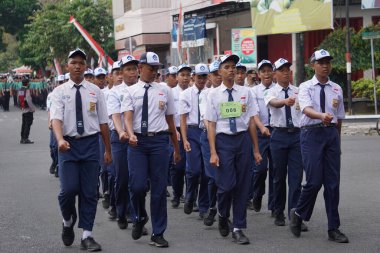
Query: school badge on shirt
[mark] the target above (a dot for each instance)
(92, 106)
(335, 103)
(161, 105)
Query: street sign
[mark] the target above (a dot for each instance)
(371, 35)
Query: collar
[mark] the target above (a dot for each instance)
(83, 83)
(263, 87)
(290, 86)
(224, 87)
(196, 89)
(314, 81)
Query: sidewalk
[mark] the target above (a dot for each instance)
(359, 128)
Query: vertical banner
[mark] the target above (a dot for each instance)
(194, 31)
(244, 44)
(291, 16)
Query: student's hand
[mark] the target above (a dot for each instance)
(214, 160)
(258, 157)
(326, 118)
(265, 131)
(63, 146)
(107, 158)
(123, 137)
(133, 140)
(186, 146)
(176, 157)
(290, 101)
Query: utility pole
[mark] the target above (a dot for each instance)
(348, 59)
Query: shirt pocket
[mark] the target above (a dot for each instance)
(69, 103)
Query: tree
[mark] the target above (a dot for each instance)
(50, 35)
(14, 14)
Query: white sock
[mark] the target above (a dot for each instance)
(236, 229)
(86, 234)
(68, 222)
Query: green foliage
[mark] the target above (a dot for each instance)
(8, 57)
(363, 88)
(335, 43)
(50, 35)
(14, 14)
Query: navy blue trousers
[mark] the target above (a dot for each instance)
(103, 167)
(287, 162)
(261, 170)
(120, 160)
(195, 173)
(209, 170)
(53, 148)
(78, 175)
(149, 160)
(321, 159)
(233, 176)
(177, 171)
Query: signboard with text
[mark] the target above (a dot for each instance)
(244, 44)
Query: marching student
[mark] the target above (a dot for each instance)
(78, 115)
(231, 132)
(321, 103)
(148, 115)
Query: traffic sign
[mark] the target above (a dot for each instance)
(371, 35)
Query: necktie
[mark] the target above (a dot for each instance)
(322, 97)
(288, 113)
(78, 110)
(267, 88)
(144, 115)
(199, 111)
(232, 119)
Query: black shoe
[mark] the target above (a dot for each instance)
(52, 168)
(304, 228)
(22, 141)
(336, 236)
(210, 217)
(106, 201)
(145, 231)
(196, 208)
(159, 241)
(167, 194)
(295, 223)
(56, 171)
(122, 223)
(138, 227)
(224, 227)
(27, 141)
(182, 199)
(112, 213)
(188, 207)
(68, 234)
(280, 219)
(256, 204)
(239, 237)
(175, 202)
(90, 244)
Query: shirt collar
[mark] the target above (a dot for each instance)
(263, 87)
(314, 81)
(224, 87)
(83, 83)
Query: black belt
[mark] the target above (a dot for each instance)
(288, 129)
(319, 125)
(80, 137)
(150, 134)
(235, 134)
(193, 126)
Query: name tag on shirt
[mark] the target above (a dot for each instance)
(230, 110)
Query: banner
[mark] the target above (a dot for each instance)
(291, 16)
(244, 45)
(194, 31)
(370, 4)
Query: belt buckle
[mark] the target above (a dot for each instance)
(150, 134)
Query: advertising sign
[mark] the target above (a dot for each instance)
(194, 31)
(291, 16)
(244, 44)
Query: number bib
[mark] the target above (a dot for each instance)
(230, 110)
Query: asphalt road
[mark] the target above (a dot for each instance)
(30, 219)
